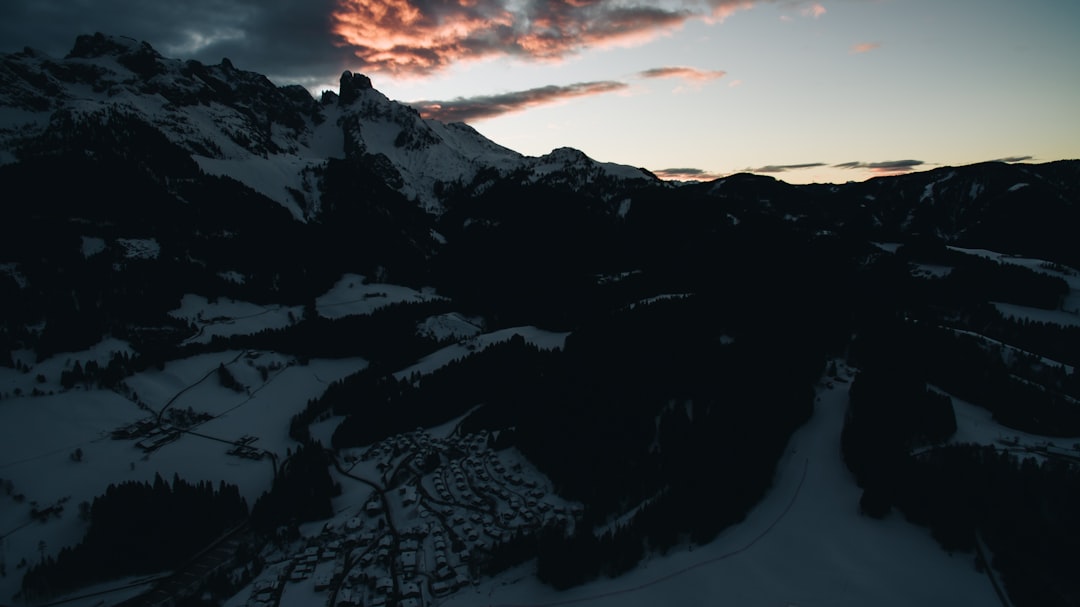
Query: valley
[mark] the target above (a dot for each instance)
(266, 350)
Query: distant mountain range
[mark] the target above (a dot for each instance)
(643, 349)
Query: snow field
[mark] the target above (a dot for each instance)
(226, 317)
(805, 544)
(39, 434)
(354, 296)
(545, 340)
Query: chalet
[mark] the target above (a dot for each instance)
(322, 582)
(441, 588)
(298, 574)
(384, 586)
(267, 586)
(346, 598)
(408, 562)
(410, 590)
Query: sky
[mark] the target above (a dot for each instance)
(805, 91)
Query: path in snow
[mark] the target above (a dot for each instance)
(815, 549)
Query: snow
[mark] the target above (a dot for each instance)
(1057, 317)
(271, 176)
(545, 340)
(928, 191)
(976, 189)
(233, 276)
(39, 434)
(1012, 349)
(656, 298)
(92, 246)
(226, 317)
(976, 425)
(890, 247)
(805, 544)
(140, 248)
(109, 593)
(562, 159)
(12, 269)
(51, 368)
(606, 279)
(16, 123)
(449, 326)
(1018, 187)
(927, 270)
(1070, 275)
(624, 208)
(354, 296)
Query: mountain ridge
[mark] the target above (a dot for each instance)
(269, 129)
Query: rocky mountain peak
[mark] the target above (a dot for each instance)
(99, 45)
(350, 87)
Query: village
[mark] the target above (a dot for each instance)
(436, 509)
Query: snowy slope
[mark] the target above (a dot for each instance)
(38, 436)
(805, 544)
(275, 140)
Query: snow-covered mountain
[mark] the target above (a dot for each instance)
(273, 139)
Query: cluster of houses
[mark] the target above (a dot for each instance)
(148, 432)
(1044, 448)
(444, 504)
(243, 448)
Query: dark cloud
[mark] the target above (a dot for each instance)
(780, 168)
(684, 73)
(312, 41)
(288, 40)
(686, 174)
(1013, 159)
(885, 167)
(469, 109)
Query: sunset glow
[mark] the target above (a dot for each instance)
(830, 90)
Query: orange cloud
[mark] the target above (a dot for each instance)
(684, 73)
(418, 37)
(864, 47)
(814, 11)
(483, 107)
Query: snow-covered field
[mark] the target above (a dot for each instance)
(805, 544)
(51, 368)
(225, 317)
(545, 340)
(1070, 275)
(1057, 317)
(976, 425)
(354, 296)
(38, 436)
